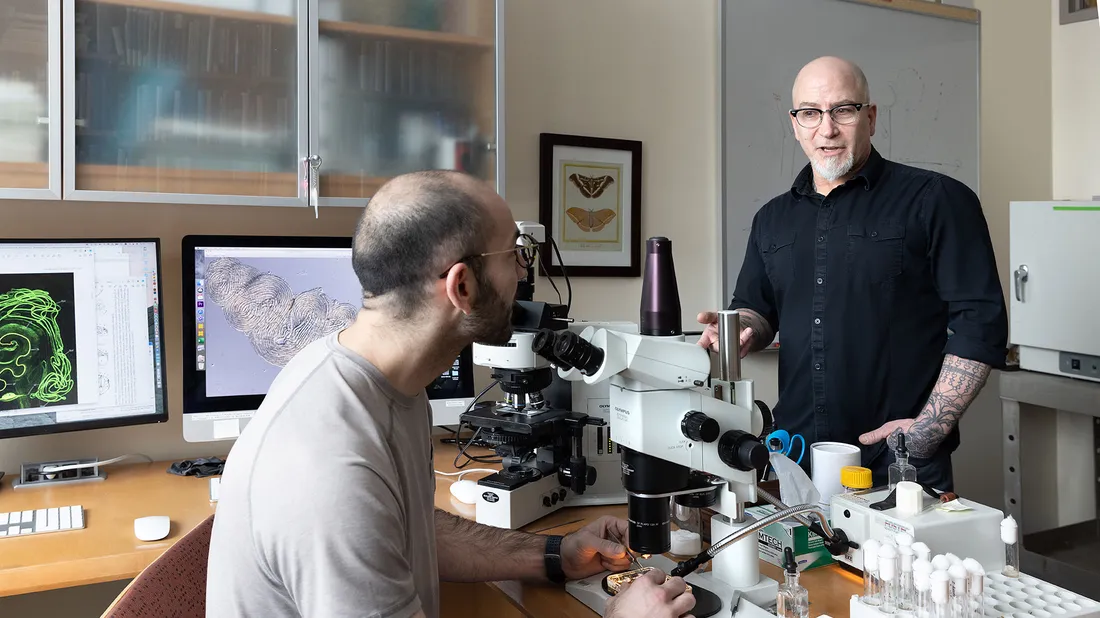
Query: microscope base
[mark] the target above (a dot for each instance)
(515, 508)
(755, 600)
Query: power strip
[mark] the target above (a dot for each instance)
(31, 475)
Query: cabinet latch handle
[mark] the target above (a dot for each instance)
(1021, 278)
(310, 167)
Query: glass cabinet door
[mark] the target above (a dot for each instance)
(401, 85)
(185, 100)
(30, 99)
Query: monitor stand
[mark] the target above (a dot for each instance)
(31, 475)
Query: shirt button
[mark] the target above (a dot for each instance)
(817, 320)
(820, 239)
(817, 366)
(873, 234)
(820, 280)
(820, 409)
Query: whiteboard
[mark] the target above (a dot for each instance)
(923, 75)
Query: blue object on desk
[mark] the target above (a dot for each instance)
(781, 441)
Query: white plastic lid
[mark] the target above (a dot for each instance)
(939, 586)
(1008, 530)
(920, 565)
(973, 566)
(904, 539)
(870, 555)
(953, 559)
(906, 557)
(941, 563)
(922, 551)
(958, 575)
(887, 562)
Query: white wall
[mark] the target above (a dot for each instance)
(1075, 90)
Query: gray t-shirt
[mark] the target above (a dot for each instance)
(327, 501)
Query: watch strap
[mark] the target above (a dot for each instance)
(552, 559)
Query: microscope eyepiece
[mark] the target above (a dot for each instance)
(576, 352)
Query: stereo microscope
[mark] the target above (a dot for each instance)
(684, 436)
(544, 445)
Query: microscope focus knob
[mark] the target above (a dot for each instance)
(742, 451)
(700, 427)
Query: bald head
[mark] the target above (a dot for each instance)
(413, 228)
(832, 73)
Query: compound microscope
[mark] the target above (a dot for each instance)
(551, 456)
(684, 436)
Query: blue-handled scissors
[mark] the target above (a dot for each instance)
(780, 441)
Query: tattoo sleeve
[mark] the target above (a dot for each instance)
(959, 383)
(762, 333)
(471, 552)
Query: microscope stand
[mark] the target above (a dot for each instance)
(755, 600)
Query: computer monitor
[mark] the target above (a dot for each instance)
(241, 293)
(81, 335)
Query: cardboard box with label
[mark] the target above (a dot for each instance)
(809, 548)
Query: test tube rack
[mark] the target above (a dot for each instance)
(1020, 597)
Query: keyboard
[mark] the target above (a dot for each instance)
(56, 519)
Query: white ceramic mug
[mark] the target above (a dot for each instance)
(826, 460)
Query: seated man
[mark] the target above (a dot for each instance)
(327, 501)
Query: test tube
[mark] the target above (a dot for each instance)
(976, 586)
(888, 571)
(922, 551)
(1012, 547)
(872, 591)
(906, 603)
(939, 585)
(922, 598)
(940, 563)
(960, 601)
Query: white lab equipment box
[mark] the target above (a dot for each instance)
(1054, 273)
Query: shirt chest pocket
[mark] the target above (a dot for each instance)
(876, 253)
(778, 253)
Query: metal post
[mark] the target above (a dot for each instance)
(729, 345)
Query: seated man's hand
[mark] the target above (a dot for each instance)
(595, 548)
(653, 597)
(709, 338)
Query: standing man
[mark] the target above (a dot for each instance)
(882, 280)
(327, 501)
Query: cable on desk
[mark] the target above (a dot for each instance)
(50, 471)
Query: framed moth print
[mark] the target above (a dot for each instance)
(590, 201)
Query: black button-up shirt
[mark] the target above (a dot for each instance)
(869, 287)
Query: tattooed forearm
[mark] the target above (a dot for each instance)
(762, 333)
(959, 383)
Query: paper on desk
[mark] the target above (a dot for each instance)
(954, 506)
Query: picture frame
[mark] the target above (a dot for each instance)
(590, 202)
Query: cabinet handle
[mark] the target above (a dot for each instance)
(1021, 278)
(310, 167)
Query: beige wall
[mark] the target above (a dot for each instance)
(1075, 86)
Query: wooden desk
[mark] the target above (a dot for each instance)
(106, 549)
(831, 588)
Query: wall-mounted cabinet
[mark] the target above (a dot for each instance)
(1072, 11)
(262, 102)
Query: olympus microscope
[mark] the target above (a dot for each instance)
(552, 436)
(684, 436)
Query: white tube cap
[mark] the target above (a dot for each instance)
(906, 557)
(977, 577)
(939, 586)
(887, 562)
(904, 539)
(922, 569)
(922, 551)
(910, 500)
(870, 555)
(953, 559)
(941, 563)
(1008, 530)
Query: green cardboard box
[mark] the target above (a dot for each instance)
(809, 548)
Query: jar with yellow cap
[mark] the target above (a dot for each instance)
(855, 478)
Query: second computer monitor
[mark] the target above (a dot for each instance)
(250, 304)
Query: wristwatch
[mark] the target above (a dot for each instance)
(552, 559)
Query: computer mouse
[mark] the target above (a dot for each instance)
(152, 528)
(465, 491)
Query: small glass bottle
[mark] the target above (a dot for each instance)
(1010, 537)
(922, 597)
(940, 583)
(901, 469)
(888, 571)
(793, 601)
(872, 588)
(976, 586)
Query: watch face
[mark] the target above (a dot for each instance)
(615, 582)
